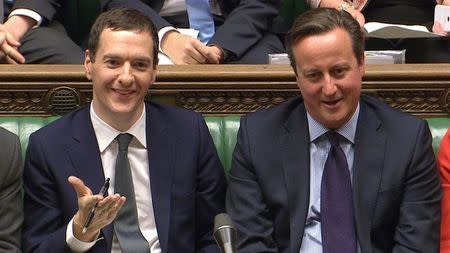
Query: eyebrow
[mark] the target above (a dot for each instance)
(115, 56)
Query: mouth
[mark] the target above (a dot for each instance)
(332, 104)
(123, 92)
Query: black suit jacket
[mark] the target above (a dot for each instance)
(246, 21)
(396, 188)
(187, 180)
(77, 16)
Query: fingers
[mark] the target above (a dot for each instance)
(183, 49)
(9, 45)
(106, 211)
(109, 207)
(12, 41)
(200, 53)
(13, 56)
(437, 28)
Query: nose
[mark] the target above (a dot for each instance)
(329, 87)
(126, 75)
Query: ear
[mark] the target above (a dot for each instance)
(153, 78)
(362, 69)
(88, 65)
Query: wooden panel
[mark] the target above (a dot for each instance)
(420, 89)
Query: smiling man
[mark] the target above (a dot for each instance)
(334, 171)
(166, 180)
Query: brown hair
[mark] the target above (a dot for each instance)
(322, 20)
(122, 19)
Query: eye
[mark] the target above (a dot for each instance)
(339, 72)
(141, 65)
(313, 76)
(112, 63)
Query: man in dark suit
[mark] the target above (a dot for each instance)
(333, 171)
(47, 31)
(177, 179)
(245, 31)
(11, 207)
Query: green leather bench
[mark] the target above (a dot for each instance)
(223, 131)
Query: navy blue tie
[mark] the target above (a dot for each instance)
(200, 19)
(336, 202)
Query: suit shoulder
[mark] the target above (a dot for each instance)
(171, 113)
(385, 111)
(391, 118)
(63, 124)
(275, 115)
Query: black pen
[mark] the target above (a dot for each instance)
(104, 193)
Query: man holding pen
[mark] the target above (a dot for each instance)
(167, 183)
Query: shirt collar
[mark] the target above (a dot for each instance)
(348, 130)
(106, 134)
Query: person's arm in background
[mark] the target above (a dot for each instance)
(11, 32)
(244, 26)
(11, 206)
(180, 48)
(25, 15)
(436, 26)
(444, 169)
(354, 10)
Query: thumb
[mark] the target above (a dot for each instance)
(80, 188)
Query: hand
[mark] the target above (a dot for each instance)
(217, 52)
(183, 49)
(437, 28)
(106, 212)
(10, 34)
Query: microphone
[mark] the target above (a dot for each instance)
(225, 233)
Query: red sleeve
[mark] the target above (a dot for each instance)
(444, 170)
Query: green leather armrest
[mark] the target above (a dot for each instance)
(24, 126)
(224, 131)
(438, 128)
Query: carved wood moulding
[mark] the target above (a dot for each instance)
(423, 90)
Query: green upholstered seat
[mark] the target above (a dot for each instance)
(223, 131)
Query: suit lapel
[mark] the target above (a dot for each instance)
(85, 156)
(160, 144)
(296, 172)
(370, 141)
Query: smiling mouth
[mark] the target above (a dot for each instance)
(332, 103)
(123, 92)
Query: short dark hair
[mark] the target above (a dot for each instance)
(322, 20)
(122, 19)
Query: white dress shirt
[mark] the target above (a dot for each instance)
(138, 157)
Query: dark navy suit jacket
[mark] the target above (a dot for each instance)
(187, 180)
(396, 188)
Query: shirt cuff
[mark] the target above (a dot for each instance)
(75, 244)
(28, 13)
(163, 32)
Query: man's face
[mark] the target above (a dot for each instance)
(329, 76)
(121, 74)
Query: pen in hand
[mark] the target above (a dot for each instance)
(104, 193)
